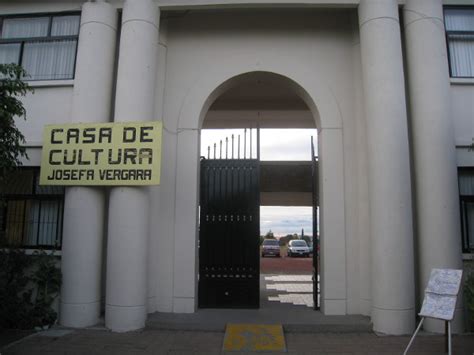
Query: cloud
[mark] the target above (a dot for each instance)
(286, 220)
(275, 144)
(286, 144)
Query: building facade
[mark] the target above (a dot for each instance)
(388, 84)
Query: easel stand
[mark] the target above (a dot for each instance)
(440, 301)
(448, 337)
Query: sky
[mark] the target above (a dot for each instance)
(275, 144)
(286, 220)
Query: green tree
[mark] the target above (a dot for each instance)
(286, 239)
(269, 235)
(29, 285)
(307, 239)
(12, 88)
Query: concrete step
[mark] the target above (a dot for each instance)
(293, 320)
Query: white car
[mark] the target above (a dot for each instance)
(298, 247)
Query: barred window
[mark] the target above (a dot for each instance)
(466, 197)
(31, 215)
(459, 23)
(44, 45)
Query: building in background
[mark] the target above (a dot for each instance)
(388, 84)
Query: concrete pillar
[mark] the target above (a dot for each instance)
(158, 204)
(392, 275)
(81, 261)
(185, 229)
(437, 202)
(332, 215)
(363, 219)
(126, 293)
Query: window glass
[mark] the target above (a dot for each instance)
(49, 223)
(65, 26)
(30, 216)
(466, 191)
(459, 25)
(50, 60)
(9, 53)
(469, 225)
(31, 222)
(461, 55)
(466, 183)
(459, 19)
(25, 27)
(44, 46)
(15, 214)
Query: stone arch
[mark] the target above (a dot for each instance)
(319, 97)
(323, 104)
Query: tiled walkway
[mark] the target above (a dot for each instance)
(292, 278)
(290, 289)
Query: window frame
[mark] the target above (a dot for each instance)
(463, 200)
(35, 196)
(47, 38)
(448, 33)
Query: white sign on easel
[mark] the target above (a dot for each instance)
(440, 299)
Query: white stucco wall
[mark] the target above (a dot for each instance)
(200, 54)
(462, 98)
(46, 105)
(50, 103)
(316, 49)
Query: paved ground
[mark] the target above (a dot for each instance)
(10, 336)
(306, 331)
(286, 265)
(296, 290)
(294, 317)
(91, 342)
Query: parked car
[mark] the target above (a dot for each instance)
(270, 247)
(298, 247)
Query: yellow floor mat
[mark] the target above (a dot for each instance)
(254, 337)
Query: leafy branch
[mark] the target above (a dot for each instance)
(12, 141)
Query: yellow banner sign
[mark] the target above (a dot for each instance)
(122, 153)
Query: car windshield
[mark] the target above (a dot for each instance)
(298, 243)
(270, 242)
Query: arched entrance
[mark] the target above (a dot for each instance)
(331, 190)
(242, 175)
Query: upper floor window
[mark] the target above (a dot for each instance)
(31, 215)
(44, 45)
(459, 24)
(466, 197)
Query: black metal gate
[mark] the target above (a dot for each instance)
(229, 263)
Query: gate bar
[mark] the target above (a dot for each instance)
(238, 147)
(258, 141)
(245, 143)
(250, 143)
